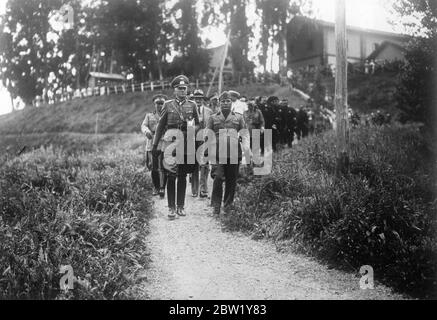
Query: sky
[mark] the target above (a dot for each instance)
(371, 14)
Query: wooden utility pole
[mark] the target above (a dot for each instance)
(341, 107)
(225, 55)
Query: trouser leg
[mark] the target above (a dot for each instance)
(299, 133)
(285, 136)
(231, 172)
(155, 179)
(290, 136)
(217, 189)
(304, 132)
(262, 143)
(274, 139)
(161, 172)
(182, 187)
(171, 192)
(155, 172)
(204, 171)
(195, 181)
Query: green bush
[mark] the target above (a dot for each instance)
(382, 214)
(80, 210)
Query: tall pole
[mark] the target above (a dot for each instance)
(212, 81)
(225, 55)
(341, 108)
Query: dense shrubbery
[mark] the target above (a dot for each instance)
(383, 214)
(89, 211)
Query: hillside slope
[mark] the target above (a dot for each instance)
(368, 93)
(115, 113)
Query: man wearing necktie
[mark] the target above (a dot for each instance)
(204, 114)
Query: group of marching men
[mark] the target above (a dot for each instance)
(227, 111)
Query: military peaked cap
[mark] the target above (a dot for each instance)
(225, 95)
(235, 94)
(198, 93)
(159, 97)
(180, 81)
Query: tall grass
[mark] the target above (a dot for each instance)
(87, 210)
(382, 214)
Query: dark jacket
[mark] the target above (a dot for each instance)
(175, 115)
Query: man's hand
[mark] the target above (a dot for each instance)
(155, 151)
(262, 129)
(149, 135)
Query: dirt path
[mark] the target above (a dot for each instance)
(193, 258)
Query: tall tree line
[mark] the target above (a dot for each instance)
(129, 37)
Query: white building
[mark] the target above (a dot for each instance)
(312, 43)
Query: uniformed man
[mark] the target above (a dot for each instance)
(237, 105)
(291, 125)
(283, 111)
(267, 113)
(226, 119)
(204, 114)
(276, 118)
(302, 123)
(254, 120)
(178, 113)
(213, 103)
(154, 164)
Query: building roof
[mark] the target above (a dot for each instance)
(108, 76)
(382, 47)
(328, 24)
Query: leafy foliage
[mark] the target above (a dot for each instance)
(382, 214)
(89, 211)
(416, 93)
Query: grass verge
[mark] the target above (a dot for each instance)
(382, 214)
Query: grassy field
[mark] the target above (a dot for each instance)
(87, 209)
(382, 214)
(114, 114)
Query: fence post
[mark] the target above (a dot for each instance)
(162, 85)
(142, 87)
(123, 87)
(151, 85)
(133, 87)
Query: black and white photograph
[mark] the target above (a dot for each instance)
(204, 153)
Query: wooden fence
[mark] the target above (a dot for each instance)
(136, 87)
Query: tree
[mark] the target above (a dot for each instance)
(27, 54)
(416, 92)
(193, 60)
(232, 14)
(275, 16)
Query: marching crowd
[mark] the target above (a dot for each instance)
(230, 110)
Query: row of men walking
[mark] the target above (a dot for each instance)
(227, 111)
